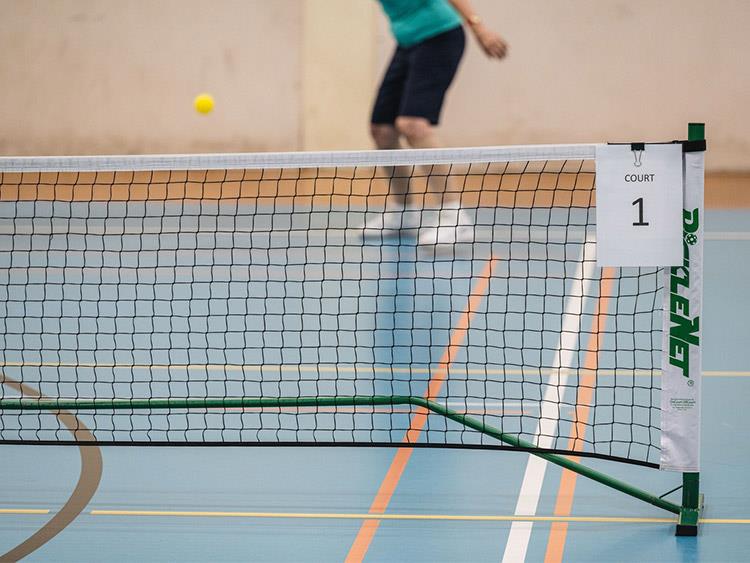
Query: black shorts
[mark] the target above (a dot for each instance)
(417, 78)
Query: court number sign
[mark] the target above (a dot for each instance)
(639, 205)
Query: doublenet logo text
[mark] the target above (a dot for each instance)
(684, 330)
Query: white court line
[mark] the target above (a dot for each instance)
(727, 235)
(533, 479)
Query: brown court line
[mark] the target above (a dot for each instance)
(727, 190)
(88, 481)
(564, 502)
(392, 477)
(723, 190)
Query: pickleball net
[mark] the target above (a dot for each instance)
(247, 299)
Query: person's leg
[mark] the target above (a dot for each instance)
(421, 134)
(385, 136)
(394, 217)
(418, 132)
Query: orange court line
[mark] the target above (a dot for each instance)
(564, 502)
(383, 497)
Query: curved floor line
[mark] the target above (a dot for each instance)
(88, 481)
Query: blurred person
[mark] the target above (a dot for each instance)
(430, 44)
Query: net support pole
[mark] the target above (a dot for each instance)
(565, 462)
(692, 499)
(692, 505)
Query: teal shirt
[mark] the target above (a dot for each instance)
(413, 21)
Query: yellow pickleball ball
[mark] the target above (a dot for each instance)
(204, 103)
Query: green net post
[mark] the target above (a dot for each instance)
(696, 132)
(692, 499)
(692, 505)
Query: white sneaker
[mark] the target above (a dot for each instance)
(451, 225)
(389, 222)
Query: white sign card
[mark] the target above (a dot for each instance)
(639, 205)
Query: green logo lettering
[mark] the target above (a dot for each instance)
(683, 331)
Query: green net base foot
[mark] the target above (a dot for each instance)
(687, 525)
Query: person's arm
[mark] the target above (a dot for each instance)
(490, 42)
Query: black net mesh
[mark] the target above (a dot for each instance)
(482, 295)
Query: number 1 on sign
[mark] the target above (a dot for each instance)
(640, 222)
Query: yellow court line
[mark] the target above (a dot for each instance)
(368, 516)
(355, 369)
(726, 374)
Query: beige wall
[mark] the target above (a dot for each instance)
(607, 70)
(339, 72)
(101, 76)
(104, 76)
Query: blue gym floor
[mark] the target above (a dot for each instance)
(307, 504)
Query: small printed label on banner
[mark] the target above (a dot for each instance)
(639, 205)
